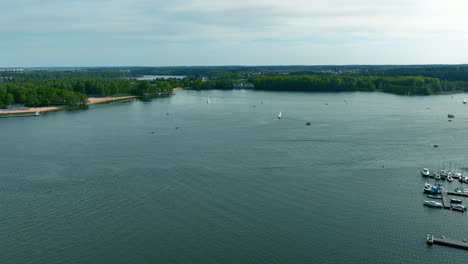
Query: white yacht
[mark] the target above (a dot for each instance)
(425, 172)
(433, 204)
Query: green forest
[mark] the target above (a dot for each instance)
(75, 91)
(327, 83)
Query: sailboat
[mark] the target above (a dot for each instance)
(464, 101)
(279, 116)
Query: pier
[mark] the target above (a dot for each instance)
(441, 240)
(446, 200)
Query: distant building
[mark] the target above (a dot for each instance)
(242, 85)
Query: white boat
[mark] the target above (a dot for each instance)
(433, 204)
(209, 100)
(458, 207)
(427, 185)
(464, 101)
(279, 116)
(37, 113)
(449, 178)
(425, 172)
(437, 177)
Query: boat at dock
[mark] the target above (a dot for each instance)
(425, 172)
(434, 196)
(455, 200)
(433, 204)
(458, 207)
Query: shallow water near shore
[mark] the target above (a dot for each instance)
(178, 180)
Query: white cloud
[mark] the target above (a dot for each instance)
(282, 27)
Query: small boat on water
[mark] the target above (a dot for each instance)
(465, 100)
(434, 196)
(458, 207)
(437, 177)
(449, 178)
(455, 200)
(37, 113)
(450, 116)
(427, 185)
(425, 172)
(308, 123)
(432, 190)
(433, 204)
(279, 116)
(209, 100)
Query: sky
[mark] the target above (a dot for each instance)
(46, 33)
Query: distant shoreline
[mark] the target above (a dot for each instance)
(91, 100)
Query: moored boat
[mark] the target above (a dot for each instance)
(433, 204)
(434, 196)
(455, 200)
(449, 178)
(458, 207)
(425, 172)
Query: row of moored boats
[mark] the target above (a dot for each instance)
(435, 192)
(444, 175)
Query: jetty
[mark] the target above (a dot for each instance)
(446, 200)
(441, 240)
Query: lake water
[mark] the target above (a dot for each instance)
(177, 180)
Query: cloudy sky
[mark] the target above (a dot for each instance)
(232, 32)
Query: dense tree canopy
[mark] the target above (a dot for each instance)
(74, 91)
(397, 85)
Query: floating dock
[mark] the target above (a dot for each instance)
(441, 240)
(446, 200)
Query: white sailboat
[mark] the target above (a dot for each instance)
(464, 101)
(279, 116)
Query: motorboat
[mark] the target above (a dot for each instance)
(427, 185)
(308, 123)
(279, 115)
(465, 100)
(455, 200)
(434, 196)
(432, 190)
(450, 116)
(433, 204)
(449, 178)
(425, 172)
(437, 177)
(458, 207)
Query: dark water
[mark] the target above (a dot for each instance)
(227, 182)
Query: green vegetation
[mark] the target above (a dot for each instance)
(396, 85)
(74, 91)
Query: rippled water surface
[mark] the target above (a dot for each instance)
(177, 180)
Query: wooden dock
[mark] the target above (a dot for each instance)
(441, 240)
(446, 200)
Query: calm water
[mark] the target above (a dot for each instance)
(177, 180)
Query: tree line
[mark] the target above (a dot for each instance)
(75, 91)
(396, 85)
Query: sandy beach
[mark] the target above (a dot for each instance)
(98, 100)
(177, 89)
(91, 100)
